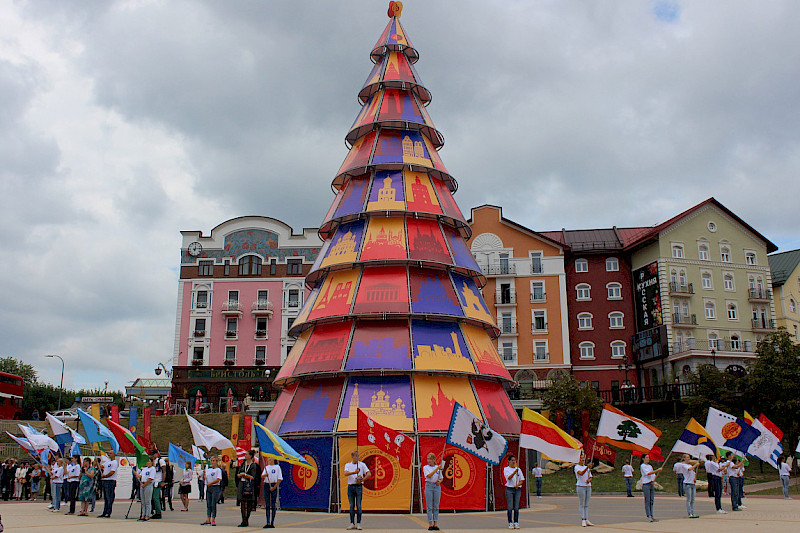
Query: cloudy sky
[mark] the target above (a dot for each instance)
(123, 123)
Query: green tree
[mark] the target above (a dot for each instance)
(23, 370)
(714, 388)
(628, 428)
(568, 394)
(772, 384)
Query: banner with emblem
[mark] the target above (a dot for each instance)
(389, 488)
(389, 440)
(304, 488)
(464, 484)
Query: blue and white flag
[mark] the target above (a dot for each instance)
(179, 456)
(37, 439)
(469, 433)
(767, 446)
(730, 433)
(97, 432)
(62, 433)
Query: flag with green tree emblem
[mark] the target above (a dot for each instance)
(626, 432)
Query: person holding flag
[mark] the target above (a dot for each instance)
(109, 477)
(272, 476)
(713, 468)
(213, 479)
(583, 486)
(433, 490)
(689, 470)
(514, 481)
(248, 480)
(648, 485)
(357, 473)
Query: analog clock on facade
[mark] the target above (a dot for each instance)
(194, 249)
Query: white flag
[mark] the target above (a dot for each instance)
(39, 441)
(626, 432)
(469, 433)
(766, 447)
(205, 436)
(62, 433)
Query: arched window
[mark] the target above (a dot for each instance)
(736, 343)
(682, 277)
(581, 265)
(584, 291)
(673, 276)
(705, 278)
(686, 369)
(250, 265)
(612, 264)
(733, 311)
(618, 350)
(792, 305)
(713, 341)
(587, 350)
(727, 281)
(711, 309)
(616, 319)
(702, 252)
(614, 291)
(584, 321)
(725, 254)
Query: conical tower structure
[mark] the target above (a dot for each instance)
(395, 323)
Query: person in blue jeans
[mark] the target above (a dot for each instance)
(648, 486)
(514, 479)
(272, 476)
(537, 476)
(110, 468)
(433, 490)
(357, 473)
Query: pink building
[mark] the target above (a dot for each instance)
(239, 291)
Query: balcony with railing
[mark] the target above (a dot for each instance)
(199, 333)
(718, 345)
(262, 308)
(507, 328)
(684, 321)
(499, 269)
(654, 393)
(676, 288)
(261, 334)
(763, 324)
(509, 356)
(231, 333)
(759, 295)
(539, 328)
(505, 298)
(538, 296)
(232, 307)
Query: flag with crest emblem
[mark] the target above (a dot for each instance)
(388, 440)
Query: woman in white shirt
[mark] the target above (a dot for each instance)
(185, 485)
(213, 478)
(514, 480)
(56, 482)
(433, 491)
(272, 476)
(583, 486)
(147, 478)
(648, 486)
(784, 471)
(713, 469)
(689, 471)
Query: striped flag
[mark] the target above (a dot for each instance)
(695, 441)
(539, 434)
(626, 432)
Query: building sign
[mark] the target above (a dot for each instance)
(647, 299)
(244, 373)
(95, 399)
(650, 344)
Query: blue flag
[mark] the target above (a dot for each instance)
(179, 456)
(271, 445)
(133, 419)
(97, 432)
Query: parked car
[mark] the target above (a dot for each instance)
(66, 415)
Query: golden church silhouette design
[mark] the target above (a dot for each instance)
(472, 304)
(436, 357)
(381, 409)
(343, 251)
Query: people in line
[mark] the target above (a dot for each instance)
(167, 483)
(649, 476)
(357, 473)
(783, 472)
(583, 486)
(272, 477)
(110, 468)
(147, 477)
(213, 481)
(514, 479)
(733, 479)
(432, 475)
(72, 480)
(627, 473)
(689, 470)
(56, 471)
(159, 464)
(679, 476)
(201, 484)
(537, 477)
(185, 485)
(86, 486)
(713, 469)
(248, 479)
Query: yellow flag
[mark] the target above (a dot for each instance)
(94, 410)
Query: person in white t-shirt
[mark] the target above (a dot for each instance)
(627, 473)
(213, 479)
(714, 468)
(689, 470)
(432, 475)
(56, 471)
(109, 475)
(146, 480)
(733, 480)
(72, 478)
(784, 470)
(679, 474)
(272, 476)
(185, 485)
(357, 473)
(649, 476)
(537, 477)
(514, 478)
(583, 486)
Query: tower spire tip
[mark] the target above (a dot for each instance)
(395, 9)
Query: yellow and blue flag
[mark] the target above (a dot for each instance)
(179, 456)
(271, 445)
(696, 441)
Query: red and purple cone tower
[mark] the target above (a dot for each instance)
(395, 323)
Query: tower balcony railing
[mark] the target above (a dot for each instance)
(507, 329)
(763, 324)
(499, 269)
(232, 307)
(681, 288)
(262, 307)
(684, 321)
(759, 295)
(538, 296)
(505, 298)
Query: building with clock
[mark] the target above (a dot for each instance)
(239, 290)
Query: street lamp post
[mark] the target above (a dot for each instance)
(714, 357)
(61, 386)
(166, 371)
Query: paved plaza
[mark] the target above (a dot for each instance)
(552, 513)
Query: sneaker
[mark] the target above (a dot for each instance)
(358, 527)
(737, 509)
(516, 525)
(742, 507)
(539, 497)
(693, 516)
(583, 523)
(351, 526)
(207, 522)
(511, 525)
(722, 511)
(214, 523)
(589, 523)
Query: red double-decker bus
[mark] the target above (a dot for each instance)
(10, 396)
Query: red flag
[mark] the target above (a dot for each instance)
(655, 454)
(115, 413)
(125, 444)
(248, 427)
(145, 442)
(146, 424)
(770, 426)
(241, 454)
(600, 451)
(394, 443)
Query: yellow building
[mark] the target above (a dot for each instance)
(785, 268)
